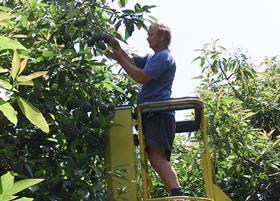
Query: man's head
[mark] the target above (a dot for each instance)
(159, 35)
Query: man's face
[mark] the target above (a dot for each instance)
(153, 38)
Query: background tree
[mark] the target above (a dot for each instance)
(242, 105)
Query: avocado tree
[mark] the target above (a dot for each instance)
(76, 96)
(242, 105)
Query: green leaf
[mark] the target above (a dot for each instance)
(129, 28)
(24, 21)
(7, 181)
(23, 184)
(26, 83)
(110, 86)
(15, 65)
(20, 36)
(4, 16)
(248, 115)
(3, 70)
(214, 67)
(137, 7)
(7, 9)
(48, 53)
(7, 43)
(24, 199)
(198, 77)
(122, 3)
(8, 111)
(227, 148)
(25, 78)
(118, 24)
(152, 18)
(5, 85)
(228, 100)
(196, 58)
(33, 114)
(146, 8)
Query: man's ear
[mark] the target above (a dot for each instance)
(162, 37)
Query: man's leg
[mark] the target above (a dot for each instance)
(163, 168)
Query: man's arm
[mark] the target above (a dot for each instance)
(127, 63)
(133, 71)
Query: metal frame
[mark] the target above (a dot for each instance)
(214, 193)
(120, 139)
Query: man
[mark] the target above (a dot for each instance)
(156, 74)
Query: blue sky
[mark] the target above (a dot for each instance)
(252, 25)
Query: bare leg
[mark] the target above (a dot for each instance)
(163, 168)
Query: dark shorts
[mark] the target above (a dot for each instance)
(159, 131)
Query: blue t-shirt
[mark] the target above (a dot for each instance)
(161, 67)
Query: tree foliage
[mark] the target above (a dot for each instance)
(243, 109)
(76, 97)
(9, 188)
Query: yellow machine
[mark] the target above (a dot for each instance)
(128, 179)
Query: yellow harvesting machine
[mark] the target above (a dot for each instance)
(126, 163)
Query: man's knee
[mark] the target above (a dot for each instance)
(156, 158)
(155, 163)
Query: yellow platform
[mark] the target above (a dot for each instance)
(125, 180)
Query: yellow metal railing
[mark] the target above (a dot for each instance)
(120, 150)
(181, 198)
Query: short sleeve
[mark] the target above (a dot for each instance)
(140, 62)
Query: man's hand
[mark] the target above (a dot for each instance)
(114, 43)
(115, 53)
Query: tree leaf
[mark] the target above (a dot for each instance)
(248, 115)
(20, 36)
(146, 8)
(25, 78)
(23, 64)
(48, 53)
(26, 83)
(33, 114)
(23, 184)
(122, 3)
(5, 85)
(230, 99)
(5, 18)
(3, 70)
(15, 65)
(24, 199)
(227, 148)
(214, 67)
(7, 181)
(153, 18)
(8, 111)
(110, 86)
(7, 9)
(137, 7)
(7, 43)
(118, 24)
(4, 24)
